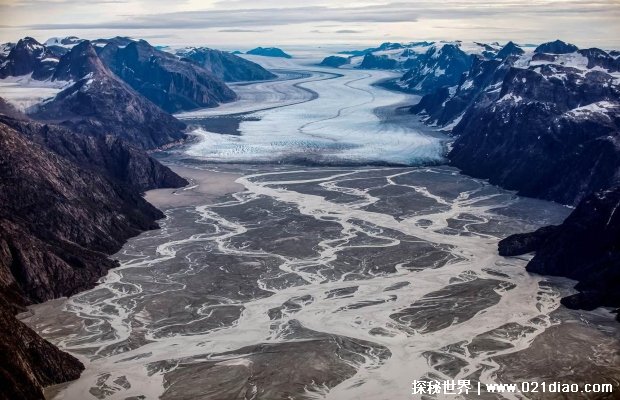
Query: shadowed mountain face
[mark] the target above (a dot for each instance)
(58, 220)
(226, 66)
(29, 362)
(99, 102)
(171, 83)
(543, 124)
(108, 154)
(28, 57)
(585, 247)
(66, 201)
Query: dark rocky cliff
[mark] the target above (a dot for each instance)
(551, 133)
(29, 362)
(109, 154)
(172, 83)
(585, 247)
(100, 103)
(226, 66)
(66, 201)
(59, 220)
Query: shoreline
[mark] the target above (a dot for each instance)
(204, 187)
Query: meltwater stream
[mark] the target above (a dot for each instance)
(329, 282)
(344, 283)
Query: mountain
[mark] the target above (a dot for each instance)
(551, 130)
(543, 124)
(334, 61)
(510, 49)
(429, 65)
(67, 200)
(172, 83)
(106, 154)
(439, 66)
(585, 247)
(372, 61)
(29, 362)
(101, 103)
(59, 219)
(28, 57)
(269, 52)
(446, 104)
(546, 124)
(556, 47)
(226, 66)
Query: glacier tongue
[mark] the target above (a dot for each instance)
(332, 119)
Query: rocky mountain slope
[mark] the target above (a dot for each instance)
(224, 65)
(121, 86)
(28, 56)
(585, 247)
(107, 154)
(439, 66)
(101, 103)
(59, 220)
(67, 200)
(546, 125)
(29, 362)
(172, 83)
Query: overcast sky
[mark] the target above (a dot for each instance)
(246, 23)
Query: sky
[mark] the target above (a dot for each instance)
(243, 24)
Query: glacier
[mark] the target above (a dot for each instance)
(323, 116)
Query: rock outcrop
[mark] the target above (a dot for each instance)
(29, 362)
(585, 247)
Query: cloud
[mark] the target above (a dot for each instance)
(376, 13)
(229, 21)
(231, 30)
(349, 31)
